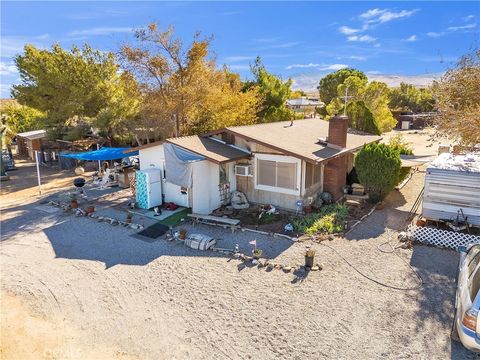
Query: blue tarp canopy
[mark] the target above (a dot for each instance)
(106, 153)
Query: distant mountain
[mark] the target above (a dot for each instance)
(308, 81)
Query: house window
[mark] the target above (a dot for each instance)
(277, 173)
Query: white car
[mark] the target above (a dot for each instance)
(466, 324)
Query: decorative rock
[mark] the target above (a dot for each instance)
(270, 267)
(287, 269)
(261, 264)
(254, 262)
(320, 266)
(315, 268)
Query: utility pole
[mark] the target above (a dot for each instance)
(346, 99)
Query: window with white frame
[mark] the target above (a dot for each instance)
(277, 173)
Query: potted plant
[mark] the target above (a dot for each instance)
(256, 253)
(309, 258)
(73, 201)
(129, 217)
(182, 234)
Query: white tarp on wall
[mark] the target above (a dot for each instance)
(178, 165)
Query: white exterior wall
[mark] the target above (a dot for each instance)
(155, 157)
(152, 157)
(205, 193)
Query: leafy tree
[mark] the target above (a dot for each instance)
(361, 118)
(297, 94)
(328, 86)
(70, 87)
(407, 97)
(273, 91)
(378, 168)
(458, 101)
(19, 118)
(183, 91)
(371, 96)
(375, 97)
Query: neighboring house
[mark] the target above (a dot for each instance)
(276, 163)
(29, 142)
(304, 105)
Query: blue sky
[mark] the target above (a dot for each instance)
(390, 41)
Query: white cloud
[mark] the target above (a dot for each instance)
(384, 15)
(5, 90)
(238, 58)
(348, 30)
(266, 39)
(362, 38)
(8, 69)
(285, 45)
(371, 13)
(239, 67)
(412, 38)
(317, 66)
(464, 27)
(293, 66)
(435, 34)
(359, 58)
(334, 67)
(100, 31)
(11, 46)
(468, 18)
(98, 14)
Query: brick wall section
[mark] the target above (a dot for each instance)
(335, 176)
(337, 130)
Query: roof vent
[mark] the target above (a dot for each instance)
(323, 141)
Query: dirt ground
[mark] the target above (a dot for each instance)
(23, 183)
(76, 288)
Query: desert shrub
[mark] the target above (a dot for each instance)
(398, 143)
(329, 219)
(378, 168)
(404, 148)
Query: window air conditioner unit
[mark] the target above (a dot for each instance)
(243, 170)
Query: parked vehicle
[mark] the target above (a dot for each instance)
(466, 326)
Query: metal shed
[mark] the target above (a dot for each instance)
(452, 182)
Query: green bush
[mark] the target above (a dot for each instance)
(398, 143)
(329, 219)
(378, 168)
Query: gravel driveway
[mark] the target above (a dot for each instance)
(100, 288)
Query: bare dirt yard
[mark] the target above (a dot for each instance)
(75, 288)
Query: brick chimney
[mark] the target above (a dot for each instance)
(337, 132)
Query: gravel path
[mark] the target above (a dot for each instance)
(162, 300)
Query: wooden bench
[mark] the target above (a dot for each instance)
(232, 222)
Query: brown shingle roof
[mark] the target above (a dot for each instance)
(213, 150)
(301, 139)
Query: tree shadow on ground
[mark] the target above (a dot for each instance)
(436, 297)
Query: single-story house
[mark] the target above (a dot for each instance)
(29, 142)
(276, 163)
